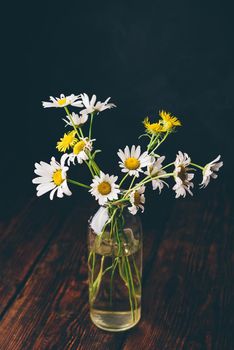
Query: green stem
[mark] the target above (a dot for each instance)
(78, 183)
(158, 177)
(90, 126)
(131, 282)
(107, 269)
(111, 279)
(160, 142)
(118, 241)
(136, 270)
(95, 166)
(90, 168)
(117, 227)
(197, 166)
(81, 132)
(97, 282)
(132, 182)
(121, 272)
(130, 189)
(129, 288)
(166, 166)
(152, 141)
(138, 185)
(70, 117)
(91, 269)
(111, 221)
(123, 179)
(107, 223)
(118, 201)
(147, 179)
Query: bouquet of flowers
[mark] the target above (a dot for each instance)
(138, 168)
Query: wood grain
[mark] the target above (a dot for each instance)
(22, 241)
(187, 284)
(188, 299)
(52, 309)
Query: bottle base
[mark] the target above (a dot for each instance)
(115, 321)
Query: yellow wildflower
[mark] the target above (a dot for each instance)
(153, 128)
(168, 121)
(67, 141)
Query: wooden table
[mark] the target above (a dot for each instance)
(187, 284)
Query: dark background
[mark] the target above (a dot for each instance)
(147, 56)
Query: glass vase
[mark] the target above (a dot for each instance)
(115, 270)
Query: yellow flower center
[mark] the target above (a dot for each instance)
(79, 146)
(57, 177)
(132, 163)
(137, 198)
(61, 101)
(104, 188)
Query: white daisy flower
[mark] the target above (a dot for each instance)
(137, 198)
(181, 175)
(93, 106)
(132, 161)
(104, 188)
(80, 150)
(209, 171)
(153, 170)
(77, 119)
(63, 101)
(99, 220)
(52, 177)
